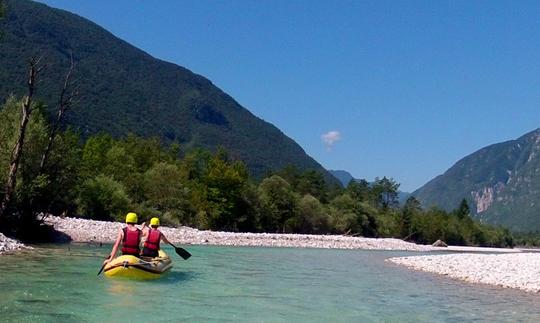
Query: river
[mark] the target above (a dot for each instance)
(58, 283)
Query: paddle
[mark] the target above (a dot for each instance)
(181, 252)
(102, 267)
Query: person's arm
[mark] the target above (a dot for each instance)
(145, 230)
(164, 239)
(115, 247)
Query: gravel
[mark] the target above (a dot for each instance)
(519, 270)
(9, 245)
(82, 230)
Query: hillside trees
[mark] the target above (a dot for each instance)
(35, 191)
(278, 203)
(2, 14)
(385, 190)
(105, 177)
(27, 108)
(224, 183)
(411, 208)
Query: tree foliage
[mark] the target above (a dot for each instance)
(105, 177)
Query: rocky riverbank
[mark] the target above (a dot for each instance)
(82, 230)
(519, 270)
(7, 244)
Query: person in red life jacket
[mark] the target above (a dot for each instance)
(130, 236)
(153, 238)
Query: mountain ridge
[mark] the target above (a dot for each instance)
(499, 181)
(126, 90)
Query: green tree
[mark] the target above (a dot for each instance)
(359, 190)
(225, 183)
(312, 182)
(165, 190)
(278, 203)
(103, 198)
(346, 215)
(62, 176)
(411, 208)
(28, 184)
(119, 164)
(145, 152)
(94, 154)
(354, 216)
(2, 14)
(16, 154)
(463, 209)
(386, 192)
(310, 217)
(291, 174)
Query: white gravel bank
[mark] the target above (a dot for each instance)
(82, 230)
(7, 244)
(519, 270)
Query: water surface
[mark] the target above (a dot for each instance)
(58, 283)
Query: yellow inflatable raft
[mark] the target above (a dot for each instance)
(138, 268)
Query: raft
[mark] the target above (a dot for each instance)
(138, 268)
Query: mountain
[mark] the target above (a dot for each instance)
(125, 90)
(345, 178)
(501, 183)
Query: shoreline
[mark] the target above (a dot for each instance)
(507, 268)
(92, 231)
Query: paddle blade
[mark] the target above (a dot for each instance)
(101, 269)
(182, 253)
(103, 266)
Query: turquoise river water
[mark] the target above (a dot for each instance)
(59, 283)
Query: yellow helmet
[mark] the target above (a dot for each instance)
(131, 218)
(154, 222)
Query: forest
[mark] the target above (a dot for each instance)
(101, 177)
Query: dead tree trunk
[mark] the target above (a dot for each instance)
(65, 101)
(17, 150)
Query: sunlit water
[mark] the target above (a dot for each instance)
(221, 284)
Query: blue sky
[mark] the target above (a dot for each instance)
(407, 87)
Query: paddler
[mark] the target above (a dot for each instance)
(152, 238)
(130, 236)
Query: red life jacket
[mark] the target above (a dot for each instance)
(130, 244)
(152, 241)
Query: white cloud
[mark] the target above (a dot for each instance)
(330, 138)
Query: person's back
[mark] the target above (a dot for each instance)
(153, 237)
(129, 236)
(131, 240)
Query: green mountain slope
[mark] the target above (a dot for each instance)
(123, 90)
(501, 183)
(343, 176)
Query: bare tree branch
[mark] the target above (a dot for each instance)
(26, 107)
(65, 101)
